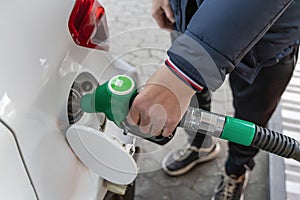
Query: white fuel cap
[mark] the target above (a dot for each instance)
(99, 153)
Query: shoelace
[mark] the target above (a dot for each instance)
(229, 186)
(181, 152)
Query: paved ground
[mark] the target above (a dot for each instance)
(290, 126)
(136, 39)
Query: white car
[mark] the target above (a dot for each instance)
(43, 75)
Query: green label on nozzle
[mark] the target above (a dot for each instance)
(121, 85)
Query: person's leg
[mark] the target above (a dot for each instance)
(256, 103)
(200, 100)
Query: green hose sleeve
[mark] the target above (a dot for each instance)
(238, 131)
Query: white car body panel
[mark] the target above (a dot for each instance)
(11, 164)
(38, 66)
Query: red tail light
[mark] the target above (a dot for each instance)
(88, 25)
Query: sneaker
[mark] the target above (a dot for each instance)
(180, 161)
(231, 187)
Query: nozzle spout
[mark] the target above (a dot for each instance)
(87, 103)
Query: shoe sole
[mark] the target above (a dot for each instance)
(192, 164)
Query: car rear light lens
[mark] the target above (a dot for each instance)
(88, 25)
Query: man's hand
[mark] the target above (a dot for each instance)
(160, 106)
(163, 14)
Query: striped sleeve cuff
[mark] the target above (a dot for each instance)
(182, 75)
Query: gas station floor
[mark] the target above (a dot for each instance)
(200, 182)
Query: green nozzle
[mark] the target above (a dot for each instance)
(87, 103)
(113, 98)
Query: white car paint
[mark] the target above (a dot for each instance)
(39, 62)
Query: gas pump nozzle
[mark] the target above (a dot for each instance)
(115, 96)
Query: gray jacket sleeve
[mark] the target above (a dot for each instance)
(218, 36)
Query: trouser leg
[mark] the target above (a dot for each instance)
(200, 100)
(255, 103)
